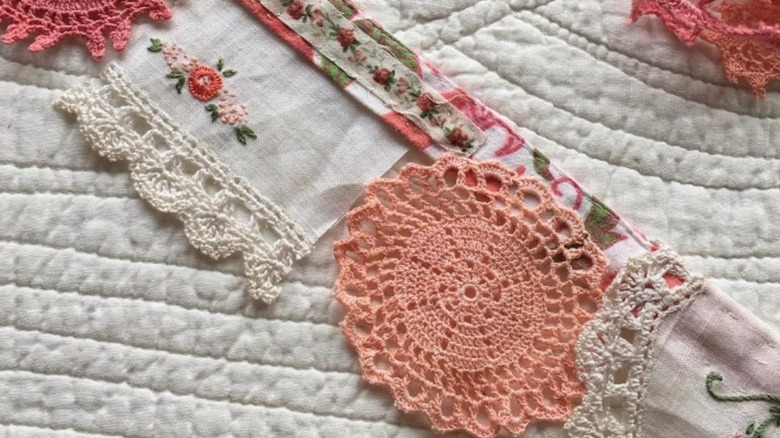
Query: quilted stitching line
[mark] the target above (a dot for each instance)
(221, 212)
(536, 4)
(37, 87)
(82, 75)
(178, 353)
(175, 305)
(13, 317)
(66, 193)
(58, 430)
(579, 117)
(45, 374)
(168, 302)
(644, 173)
(141, 299)
(226, 399)
(30, 165)
(30, 242)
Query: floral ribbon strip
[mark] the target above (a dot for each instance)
(371, 64)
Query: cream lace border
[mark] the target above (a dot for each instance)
(221, 212)
(615, 349)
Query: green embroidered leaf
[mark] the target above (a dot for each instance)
(403, 54)
(600, 223)
(156, 46)
(180, 85)
(248, 132)
(214, 110)
(335, 72)
(241, 136)
(542, 165)
(220, 64)
(753, 430)
(175, 74)
(229, 73)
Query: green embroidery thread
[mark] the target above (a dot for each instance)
(205, 83)
(753, 430)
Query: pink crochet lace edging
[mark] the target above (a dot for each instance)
(53, 20)
(746, 33)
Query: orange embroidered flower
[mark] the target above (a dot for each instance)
(204, 83)
(465, 287)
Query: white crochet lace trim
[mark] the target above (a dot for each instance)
(221, 212)
(615, 349)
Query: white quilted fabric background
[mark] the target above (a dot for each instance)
(111, 325)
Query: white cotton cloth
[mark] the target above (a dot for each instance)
(713, 334)
(316, 146)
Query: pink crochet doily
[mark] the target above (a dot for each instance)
(53, 20)
(746, 32)
(465, 287)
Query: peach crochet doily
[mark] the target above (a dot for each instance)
(465, 287)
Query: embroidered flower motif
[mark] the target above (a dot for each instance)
(205, 83)
(382, 76)
(316, 17)
(457, 137)
(231, 111)
(53, 20)
(401, 86)
(357, 57)
(465, 287)
(426, 104)
(346, 37)
(296, 10)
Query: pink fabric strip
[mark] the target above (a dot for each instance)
(618, 239)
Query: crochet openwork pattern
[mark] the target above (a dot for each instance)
(53, 20)
(465, 288)
(616, 348)
(747, 33)
(222, 213)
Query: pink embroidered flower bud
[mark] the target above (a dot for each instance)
(204, 83)
(316, 17)
(457, 137)
(381, 76)
(346, 37)
(402, 86)
(425, 102)
(296, 10)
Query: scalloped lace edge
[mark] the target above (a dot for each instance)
(221, 212)
(615, 349)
